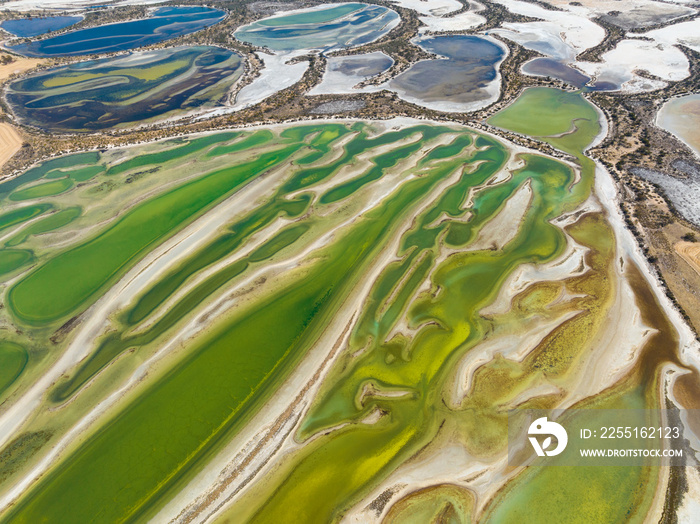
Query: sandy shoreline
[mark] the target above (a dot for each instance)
(10, 138)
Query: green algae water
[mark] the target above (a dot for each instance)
(165, 436)
(315, 484)
(565, 119)
(13, 359)
(405, 379)
(573, 494)
(336, 198)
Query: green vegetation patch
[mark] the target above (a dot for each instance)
(35, 173)
(13, 359)
(11, 259)
(17, 216)
(55, 187)
(55, 221)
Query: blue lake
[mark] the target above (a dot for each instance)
(28, 27)
(165, 23)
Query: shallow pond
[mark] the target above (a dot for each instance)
(465, 79)
(345, 72)
(165, 23)
(681, 116)
(555, 69)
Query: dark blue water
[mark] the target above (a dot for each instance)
(555, 69)
(28, 27)
(166, 23)
(363, 65)
(100, 94)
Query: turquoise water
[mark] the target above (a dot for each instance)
(316, 16)
(166, 23)
(346, 25)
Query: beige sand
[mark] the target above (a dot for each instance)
(10, 142)
(503, 228)
(19, 65)
(690, 252)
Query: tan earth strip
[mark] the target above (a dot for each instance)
(19, 65)
(10, 142)
(690, 252)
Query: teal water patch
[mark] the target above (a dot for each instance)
(338, 27)
(35, 173)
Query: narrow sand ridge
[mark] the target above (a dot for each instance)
(690, 252)
(503, 228)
